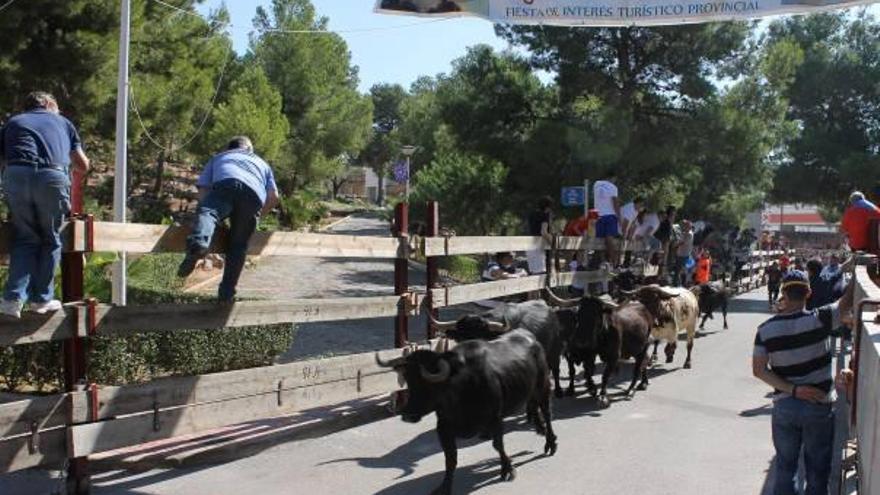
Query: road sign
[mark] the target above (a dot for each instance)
(573, 196)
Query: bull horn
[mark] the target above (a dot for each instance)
(391, 363)
(441, 325)
(439, 377)
(498, 327)
(558, 301)
(608, 303)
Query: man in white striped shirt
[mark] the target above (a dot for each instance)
(793, 354)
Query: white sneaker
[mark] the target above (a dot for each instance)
(45, 307)
(10, 308)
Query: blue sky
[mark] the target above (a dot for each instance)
(426, 48)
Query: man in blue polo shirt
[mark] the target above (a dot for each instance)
(236, 184)
(793, 354)
(37, 147)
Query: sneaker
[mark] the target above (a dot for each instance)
(189, 264)
(11, 309)
(42, 308)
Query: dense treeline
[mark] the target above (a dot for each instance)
(715, 118)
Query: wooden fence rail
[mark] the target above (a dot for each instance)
(35, 431)
(79, 236)
(72, 425)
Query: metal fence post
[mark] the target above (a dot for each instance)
(76, 348)
(401, 274)
(433, 279)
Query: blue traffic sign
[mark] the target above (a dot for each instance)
(573, 196)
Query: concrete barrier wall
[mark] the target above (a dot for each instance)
(867, 428)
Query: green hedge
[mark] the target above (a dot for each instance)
(114, 361)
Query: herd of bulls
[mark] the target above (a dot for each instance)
(503, 359)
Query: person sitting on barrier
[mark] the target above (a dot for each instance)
(856, 221)
(236, 184)
(502, 268)
(793, 354)
(608, 227)
(38, 147)
(540, 224)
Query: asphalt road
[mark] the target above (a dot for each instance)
(693, 432)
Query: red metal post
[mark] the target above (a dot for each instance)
(76, 348)
(433, 278)
(401, 275)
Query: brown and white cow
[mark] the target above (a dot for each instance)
(674, 309)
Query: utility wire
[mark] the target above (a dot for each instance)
(205, 117)
(7, 4)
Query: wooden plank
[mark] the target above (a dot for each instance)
(51, 451)
(136, 429)
(45, 412)
(568, 278)
(36, 328)
(568, 243)
(460, 294)
(450, 296)
(442, 246)
(179, 391)
(145, 238)
(125, 320)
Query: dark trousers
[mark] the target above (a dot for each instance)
(38, 199)
(234, 200)
(773, 292)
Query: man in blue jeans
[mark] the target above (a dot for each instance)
(37, 147)
(238, 185)
(793, 354)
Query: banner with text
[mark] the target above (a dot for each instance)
(609, 12)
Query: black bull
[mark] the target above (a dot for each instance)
(535, 316)
(472, 388)
(609, 331)
(712, 296)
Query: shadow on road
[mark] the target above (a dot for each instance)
(765, 410)
(467, 478)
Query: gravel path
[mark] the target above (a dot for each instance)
(286, 277)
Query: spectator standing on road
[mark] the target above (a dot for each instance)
(540, 224)
(793, 354)
(684, 249)
(774, 279)
(825, 286)
(857, 219)
(238, 185)
(38, 147)
(607, 203)
(703, 273)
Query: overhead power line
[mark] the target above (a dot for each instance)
(7, 4)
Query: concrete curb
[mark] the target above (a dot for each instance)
(242, 440)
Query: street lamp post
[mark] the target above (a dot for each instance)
(408, 152)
